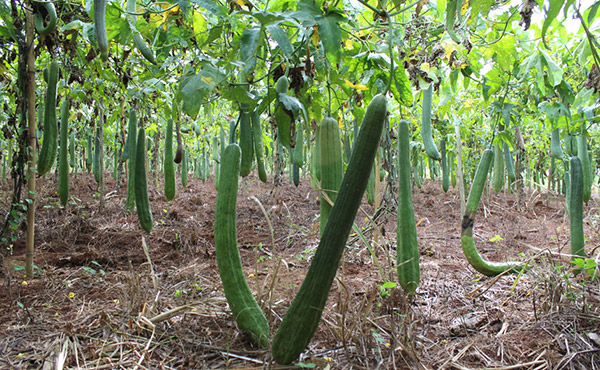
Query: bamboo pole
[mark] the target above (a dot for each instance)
(31, 146)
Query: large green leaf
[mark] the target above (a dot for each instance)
(249, 43)
(117, 27)
(213, 7)
(290, 103)
(195, 88)
(551, 13)
(555, 73)
(282, 39)
(308, 9)
(478, 7)
(267, 18)
(450, 18)
(331, 36)
(401, 86)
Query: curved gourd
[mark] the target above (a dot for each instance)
(466, 237)
(38, 19)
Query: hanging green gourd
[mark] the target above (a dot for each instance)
(332, 169)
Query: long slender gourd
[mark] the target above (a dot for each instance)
(259, 150)
(371, 188)
(317, 154)
(100, 25)
(407, 261)
(295, 174)
(246, 311)
(63, 163)
(184, 169)
(582, 153)
(508, 161)
(430, 148)
(246, 141)
(138, 40)
(498, 170)
(72, 158)
(445, 172)
(281, 116)
(302, 318)
(332, 167)
(142, 201)
(298, 151)
(179, 151)
(577, 186)
(50, 143)
(97, 153)
(144, 48)
(132, 132)
(466, 237)
(90, 156)
(571, 144)
(169, 165)
(127, 149)
(555, 147)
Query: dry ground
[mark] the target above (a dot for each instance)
(99, 300)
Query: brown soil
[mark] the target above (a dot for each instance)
(94, 301)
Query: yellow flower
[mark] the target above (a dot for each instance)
(71, 295)
(348, 44)
(24, 283)
(357, 87)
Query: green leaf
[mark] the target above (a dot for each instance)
(496, 238)
(308, 9)
(454, 78)
(267, 18)
(401, 86)
(528, 64)
(450, 18)
(215, 8)
(478, 7)
(388, 285)
(555, 72)
(195, 88)
(200, 27)
(73, 25)
(290, 103)
(249, 45)
(551, 13)
(331, 36)
(592, 12)
(117, 27)
(282, 39)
